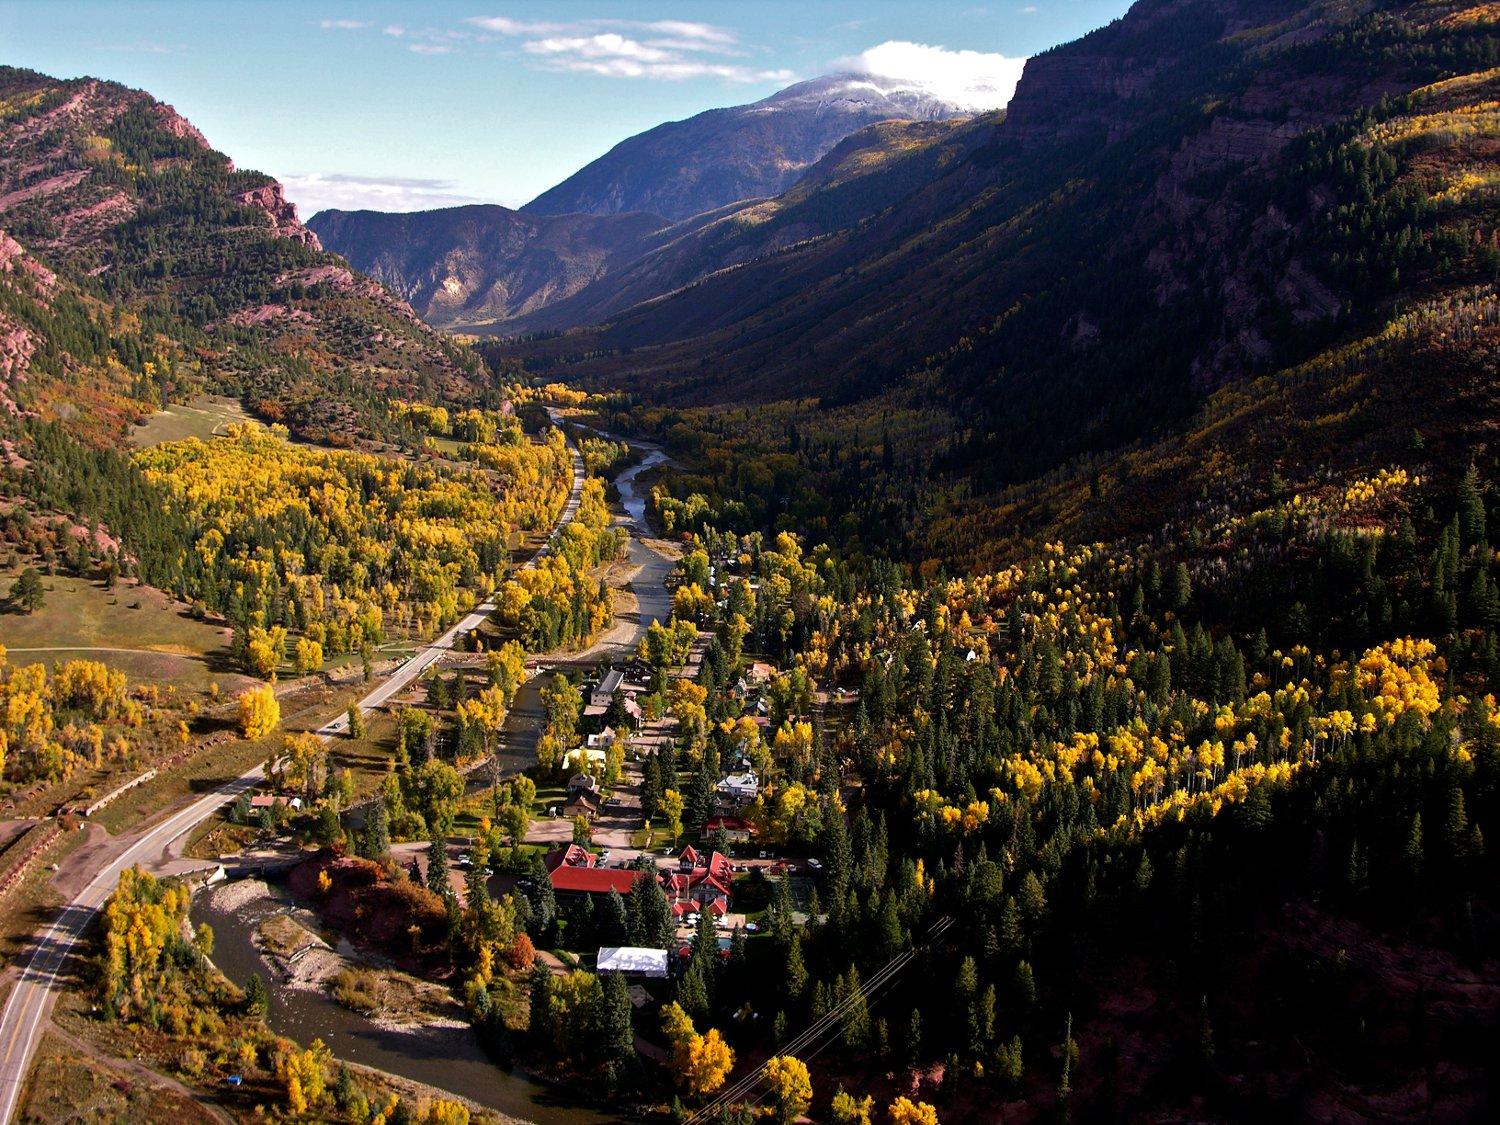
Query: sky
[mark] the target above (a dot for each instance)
(406, 106)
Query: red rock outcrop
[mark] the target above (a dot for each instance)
(282, 212)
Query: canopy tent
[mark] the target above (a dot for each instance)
(633, 960)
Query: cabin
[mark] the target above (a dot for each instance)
(582, 802)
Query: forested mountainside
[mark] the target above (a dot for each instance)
(141, 266)
(495, 271)
(482, 264)
(1257, 188)
(722, 156)
(1181, 195)
(859, 178)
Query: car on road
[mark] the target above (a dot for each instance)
(815, 864)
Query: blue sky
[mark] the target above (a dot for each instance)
(404, 105)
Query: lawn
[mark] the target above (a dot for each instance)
(204, 417)
(139, 630)
(367, 759)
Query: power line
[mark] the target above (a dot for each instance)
(888, 972)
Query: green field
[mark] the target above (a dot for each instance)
(204, 417)
(137, 629)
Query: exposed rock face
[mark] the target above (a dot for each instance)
(483, 264)
(271, 199)
(179, 126)
(722, 156)
(15, 260)
(80, 159)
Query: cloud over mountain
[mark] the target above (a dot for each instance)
(970, 80)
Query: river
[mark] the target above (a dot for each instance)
(449, 1058)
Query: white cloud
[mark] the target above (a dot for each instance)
(666, 50)
(690, 34)
(343, 25)
(318, 191)
(970, 80)
(705, 34)
(502, 25)
(592, 47)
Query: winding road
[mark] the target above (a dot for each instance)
(27, 1008)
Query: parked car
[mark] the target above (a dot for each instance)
(603, 857)
(815, 864)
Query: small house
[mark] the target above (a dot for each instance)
(740, 788)
(582, 802)
(605, 690)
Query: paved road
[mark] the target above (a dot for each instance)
(425, 658)
(30, 1003)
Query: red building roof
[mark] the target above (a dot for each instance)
(593, 880)
(570, 856)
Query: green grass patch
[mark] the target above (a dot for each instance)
(137, 629)
(205, 417)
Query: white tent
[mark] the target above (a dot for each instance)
(633, 960)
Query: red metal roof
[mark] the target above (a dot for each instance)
(594, 880)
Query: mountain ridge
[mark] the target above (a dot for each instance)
(180, 272)
(483, 263)
(684, 168)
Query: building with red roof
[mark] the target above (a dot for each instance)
(700, 883)
(572, 871)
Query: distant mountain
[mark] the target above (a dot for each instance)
(145, 267)
(481, 264)
(1200, 193)
(722, 156)
(859, 178)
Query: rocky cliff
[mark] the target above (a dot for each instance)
(479, 265)
(164, 254)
